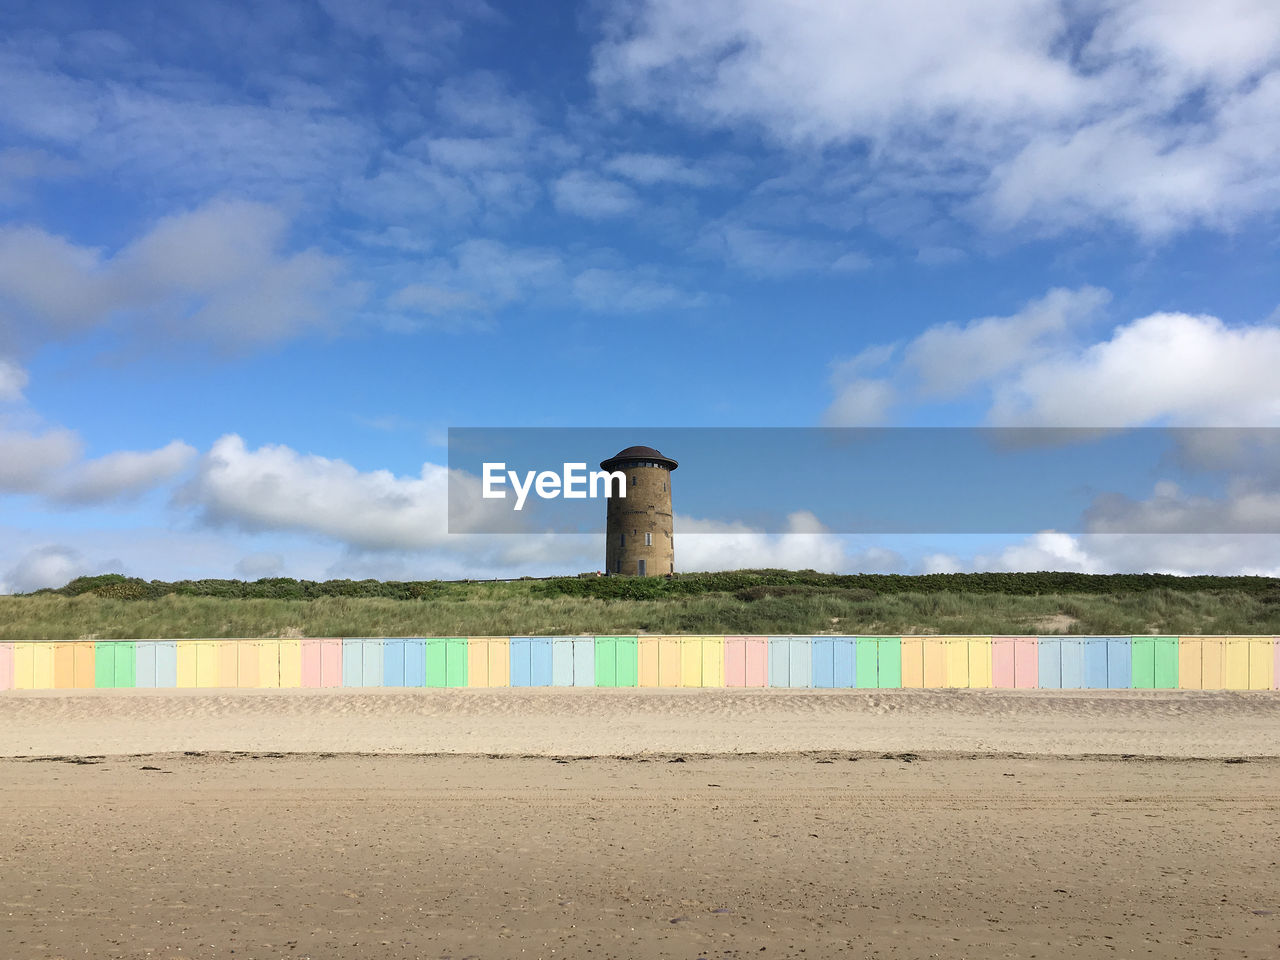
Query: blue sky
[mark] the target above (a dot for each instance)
(255, 260)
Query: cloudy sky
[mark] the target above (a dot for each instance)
(256, 259)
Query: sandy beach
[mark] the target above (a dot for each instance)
(618, 722)
(638, 824)
(226, 856)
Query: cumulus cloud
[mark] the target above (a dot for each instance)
(123, 474)
(863, 397)
(30, 462)
(1153, 114)
(949, 358)
(813, 72)
(388, 525)
(1244, 508)
(48, 566)
(259, 565)
(860, 402)
(277, 488)
(219, 273)
(1167, 367)
(1044, 366)
(715, 545)
(1188, 554)
(51, 465)
(1048, 550)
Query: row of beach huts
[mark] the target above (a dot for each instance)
(1046, 663)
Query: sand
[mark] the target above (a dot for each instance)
(589, 722)
(967, 824)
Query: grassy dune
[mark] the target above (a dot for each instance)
(743, 602)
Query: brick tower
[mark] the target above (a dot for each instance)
(638, 531)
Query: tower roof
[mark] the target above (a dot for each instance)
(632, 454)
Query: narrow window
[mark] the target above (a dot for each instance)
(634, 479)
(624, 541)
(648, 539)
(641, 567)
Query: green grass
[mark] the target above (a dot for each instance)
(742, 602)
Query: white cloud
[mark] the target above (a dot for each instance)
(50, 465)
(713, 545)
(627, 291)
(505, 273)
(437, 302)
(29, 462)
(478, 277)
(481, 102)
(1188, 554)
(216, 273)
(1047, 550)
(940, 563)
(1157, 177)
(394, 525)
(48, 566)
(771, 253)
(260, 565)
(475, 153)
(411, 36)
(277, 488)
(1247, 507)
(167, 127)
(1043, 367)
(123, 474)
(13, 380)
(592, 196)
(1165, 368)
(950, 358)
(1151, 113)
(853, 262)
(21, 167)
(657, 168)
(861, 402)
(814, 72)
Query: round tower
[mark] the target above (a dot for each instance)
(638, 531)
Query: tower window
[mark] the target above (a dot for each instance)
(640, 567)
(634, 479)
(624, 540)
(648, 539)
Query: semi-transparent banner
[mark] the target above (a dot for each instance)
(877, 480)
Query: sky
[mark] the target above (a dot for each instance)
(257, 259)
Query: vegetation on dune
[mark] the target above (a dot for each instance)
(753, 602)
(761, 582)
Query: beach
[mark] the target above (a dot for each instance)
(628, 722)
(638, 824)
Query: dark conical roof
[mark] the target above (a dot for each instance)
(637, 453)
